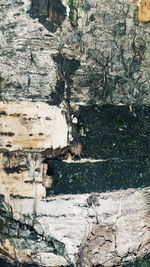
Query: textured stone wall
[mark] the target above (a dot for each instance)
(74, 133)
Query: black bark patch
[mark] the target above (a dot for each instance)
(18, 169)
(58, 95)
(5, 263)
(20, 197)
(8, 145)
(15, 114)
(3, 113)
(66, 68)
(50, 170)
(32, 182)
(20, 3)
(79, 178)
(7, 134)
(51, 13)
(114, 131)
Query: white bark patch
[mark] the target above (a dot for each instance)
(29, 125)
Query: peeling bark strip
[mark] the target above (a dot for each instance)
(24, 125)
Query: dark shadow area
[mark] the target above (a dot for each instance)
(50, 13)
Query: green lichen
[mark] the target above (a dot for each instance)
(73, 13)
